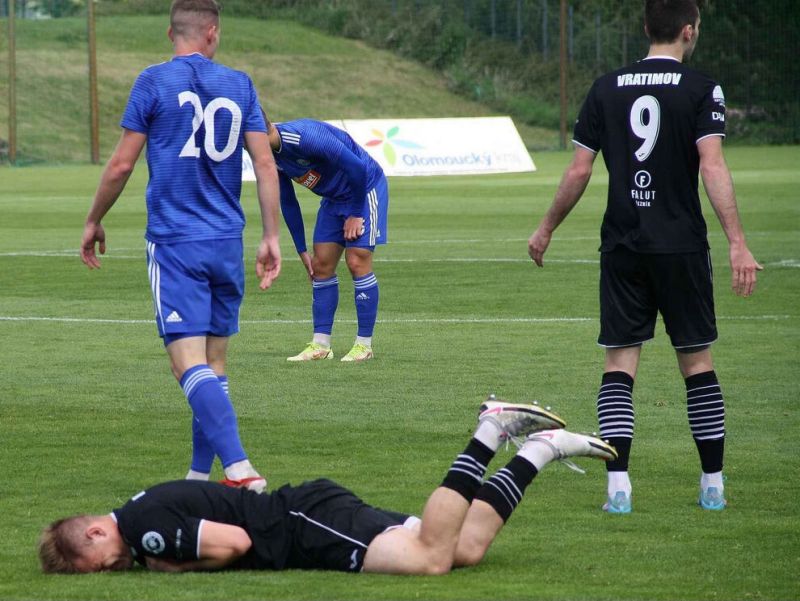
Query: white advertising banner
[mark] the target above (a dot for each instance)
(458, 146)
(443, 146)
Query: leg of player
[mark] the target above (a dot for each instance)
(367, 295)
(464, 515)
(202, 452)
(325, 300)
(615, 416)
(706, 409)
(499, 496)
(212, 408)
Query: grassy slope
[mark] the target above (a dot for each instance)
(299, 72)
(89, 412)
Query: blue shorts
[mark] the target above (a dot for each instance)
(332, 215)
(197, 286)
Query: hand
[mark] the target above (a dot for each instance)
(537, 245)
(306, 259)
(353, 228)
(268, 261)
(92, 233)
(743, 270)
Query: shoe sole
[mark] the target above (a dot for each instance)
(296, 360)
(615, 511)
(346, 360)
(551, 420)
(603, 447)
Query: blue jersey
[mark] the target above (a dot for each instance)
(327, 161)
(194, 113)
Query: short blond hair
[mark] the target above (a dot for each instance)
(61, 543)
(188, 18)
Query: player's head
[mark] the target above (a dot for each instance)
(195, 22)
(671, 21)
(82, 544)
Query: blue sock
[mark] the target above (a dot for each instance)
(214, 413)
(202, 452)
(325, 296)
(366, 293)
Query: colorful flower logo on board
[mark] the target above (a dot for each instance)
(389, 142)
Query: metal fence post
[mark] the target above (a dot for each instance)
(12, 86)
(94, 119)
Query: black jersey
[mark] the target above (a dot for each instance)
(166, 521)
(647, 119)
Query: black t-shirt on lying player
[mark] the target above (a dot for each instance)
(647, 119)
(166, 521)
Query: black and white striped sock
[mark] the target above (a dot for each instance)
(615, 415)
(706, 410)
(504, 490)
(466, 474)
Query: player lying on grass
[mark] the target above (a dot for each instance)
(196, 525)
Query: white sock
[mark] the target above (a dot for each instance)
(193, 475)
(323, 339)
(489, 433)
(714, 479)
(619, 481)
(241, 470)
(538, 453)
(365, 340)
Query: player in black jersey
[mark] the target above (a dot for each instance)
(195, 525)
(657, 123)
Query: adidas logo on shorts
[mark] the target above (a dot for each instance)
(174, 317)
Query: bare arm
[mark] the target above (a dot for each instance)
(268, 258)
(220, 545)
(719, 187)
(573, 183)
(112, 182)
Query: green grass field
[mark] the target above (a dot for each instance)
(90, 414)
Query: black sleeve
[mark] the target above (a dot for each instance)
(711, 111)
(588, 130)
(158, 531)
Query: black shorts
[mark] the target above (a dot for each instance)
(635, 287)
(332, 528)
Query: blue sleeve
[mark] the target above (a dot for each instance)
(291, 213)
(356, 173)
(141, 105)
(327, 147)
(255, 118)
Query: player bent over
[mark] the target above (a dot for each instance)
(191, 525)
(352, 219)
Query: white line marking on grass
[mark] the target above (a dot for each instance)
(784, 263)
(456, 320)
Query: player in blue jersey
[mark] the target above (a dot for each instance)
(351, 220)
(195, 115)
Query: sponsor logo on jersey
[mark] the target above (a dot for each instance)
(649, 79)
(719, 97)
(717, 116)
(642, 197)
(309, 179)
(153, 542)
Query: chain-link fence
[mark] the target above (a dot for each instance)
(503, 53)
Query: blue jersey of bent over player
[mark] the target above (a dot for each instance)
(194, 146)
(327, 161)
